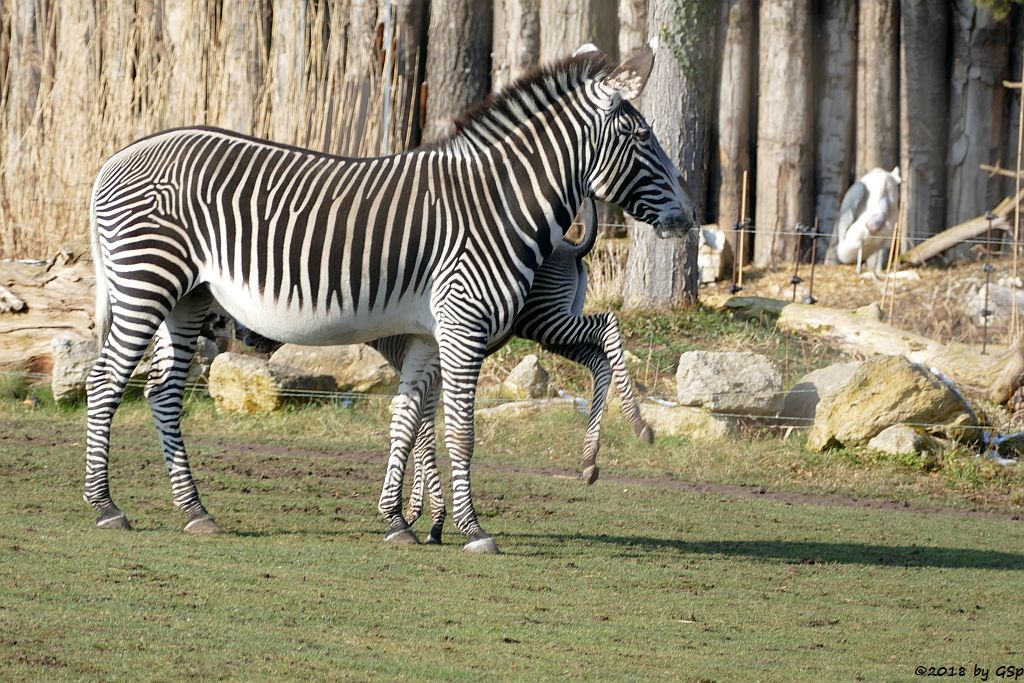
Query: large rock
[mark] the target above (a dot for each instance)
(73, 358)
(885, 391)
(354, 367)
(801, 402)
(527, 380)
(737, 382)
(249, 384)
(693, 423)
(901, 440)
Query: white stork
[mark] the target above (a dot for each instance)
(867, 217)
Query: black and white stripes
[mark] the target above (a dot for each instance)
(440, 244)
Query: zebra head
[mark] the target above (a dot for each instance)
(631, 169)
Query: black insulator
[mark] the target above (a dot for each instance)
(735, 288)
(990, 216)
(810, 300)
(988, 268)
(795, 280)
(986, 312)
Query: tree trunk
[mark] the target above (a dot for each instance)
(25, 68)
(404, 71)
(924, 100)
(632, 27)
(980, 54)
(287, 78)
(458, 61)
(837, 84)
(877, 85)
(516, 40)
(784, 114)
(568, 24)
(734, 96)
(1013, 96)
(663, 272)
(242, 64)
(188, 30)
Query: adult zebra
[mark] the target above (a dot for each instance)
(440, 244)
(553, 316)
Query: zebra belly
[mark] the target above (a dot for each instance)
(321, 326)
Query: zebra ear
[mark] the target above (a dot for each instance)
(631, 76)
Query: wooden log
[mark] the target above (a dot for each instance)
(994, 376)
(970, 229)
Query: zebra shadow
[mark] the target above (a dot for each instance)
(790, 552)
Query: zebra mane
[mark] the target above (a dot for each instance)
(532, 92)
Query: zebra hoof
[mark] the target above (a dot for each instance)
(590, 474)
(434, 538)
(203, 525)
(646, 434)
(113, 519)
(483, 545)
(403, 536)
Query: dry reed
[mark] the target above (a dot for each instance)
(83, 79)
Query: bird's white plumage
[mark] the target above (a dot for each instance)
(872, 227)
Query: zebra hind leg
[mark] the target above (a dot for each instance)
(122, 349)
(594, 359)
(612, 345)
(419, 374)
(427, 474)
(165, 390)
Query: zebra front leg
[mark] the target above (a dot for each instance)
(462, 353)
(419, 374)
(121, 351)
(425, 459)
(165, 390)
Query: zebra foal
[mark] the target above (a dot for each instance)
(440, 244)
(553, 310)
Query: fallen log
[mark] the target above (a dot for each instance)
(970, 229)
(994, 377)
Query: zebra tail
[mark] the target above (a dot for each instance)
(102, 289)
(589, 214)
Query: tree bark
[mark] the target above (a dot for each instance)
(663, 272)
(980, 54)
(734, 97)
(568, 24)
(25, 68)
(837, 85)
(404, 70)
(187, 34)
(242, 63)
(877, 85)
(785, 110)
(632, 27)
(516, 40)
(924, 99)
(1013, 96)
(458, 61)
(287, 78)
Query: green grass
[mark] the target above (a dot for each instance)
(636, 577)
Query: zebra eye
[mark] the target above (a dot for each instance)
(642, 134)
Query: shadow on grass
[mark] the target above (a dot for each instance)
(799, 552)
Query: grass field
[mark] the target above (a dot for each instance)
(641, 576)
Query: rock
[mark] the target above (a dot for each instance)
(529, 407)
(729, 382)
(248, 384)
(802, 400)
(693, 423)
(886, 391)
(901, 440)
(1000, 303)
(714, 255)
(527, 380)
(354, 367)
(73, 358)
